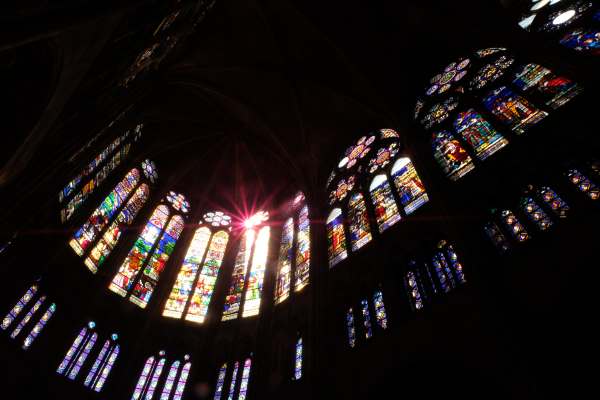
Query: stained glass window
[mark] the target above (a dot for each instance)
(101, 217)
(16, 310)
(566, 16)
(380, 314)
(298, 360)
(217, 219)
(187, 274)
(178, 202)
(489, 51)
(383, 157)
(514, 226)
(109, 240)
(479, 134)
(414, 291)
(410, 187)
(343, 188)
(205, 286)
(234, 377)
(386, 210)
(143, 379)
(497, 237)
(360, 231)
(553, 200)
(455, 264)
(366, 318)
(336, 237)
(356, 152)
(39, 326)
(233, 299)
(584, 40)
(535, 213)
(149, 169)
(78, 352)
(492, 71)
(439, 112)
(220, 382)
(555, 90)
(284, 263)
(149, 377)
(584, 184)
(257, 273)
(103, 365)
(512, 109)
(451, 155)
(170, 382)
(388, 134)
(350, 328)
(27, 317)
(245, 380)
(302, 250)
(454, 72)
(185, 372)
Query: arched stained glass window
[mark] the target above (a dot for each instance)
(245, 379)
(123, 144)
(101, 217)
(451, 155)
(234, 376)
(256, 276)
(298, 359)
(39, 326)
(284, 262)
(410, 187)
(220, 382)
(515, 227)
(336, 237)
(386, 210)
(452, 259)
(497, 237)
(149, 377)
(479, 134)
(16, 310)
(78, 352)
(414, 290)
(102, 366)
(27, 317)
(233, 300)
(350, 330)
(302, 273)
(584, 184)
(553, 200)
(380, 313)
(185, 372)
(187, 274)
(360, 231)
(366, 314)
(535, 214)
(512, 109)
(170, 382)
(109, 240)
(553, 90)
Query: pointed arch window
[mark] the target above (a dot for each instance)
(173, 384)
(298, 356)
(25, 304)
(360, 230)
(410, 187)
(234, 377)
(78, 352)
(103, 365)
(284, 263)
(380, 314)
(553, 90)
(336, 237)
(584, 184)
(198, 274)
(479, 134)
(350, 329)
(117, 151)
(220, 382)
(386, 210)
(245, 379)
(302, 272)
(247, 279)
(414, 288)
(535, 213)
(139, 274)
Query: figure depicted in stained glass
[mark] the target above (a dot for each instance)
(479, 134)
(284, 263)
(256, 275)
(233, 299)
(366, 314)
(583, 40)
(408, 184)
(414, 291)
(336, 237)
(512, 109)
(380, 313)
(149, 377)
(350, 328)
(302, 250)
(360, 231)
(386, 210)
(451, 155)
(298, 360)
(553, 90)
(103, 364)
(78, 352)
(514, 225)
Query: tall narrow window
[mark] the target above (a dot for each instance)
(302, 250)
(220, 382)
(535, 214)
(380, 313)
(183, 376)
(366, 314)
(257, 273)
(443, 272)
(584, 184)
(512, 109)
(497, 237)
(16, 310)
(298, 359)
(233, 300)
(149, 377)
(386, 210)
(284, 262)
(39, 326)
(410, 187)
(350, 330)
(451, 155)
(515, 227)
(245, 380)
(103, 365)
(479, 134)
(455, 264)
(27, 317)
(234, 376)
(360, 231)
(170, 382)
(101, 217)
(414, 291)
(150, 253)
(553, 200)
(336, 237)
(78, 352)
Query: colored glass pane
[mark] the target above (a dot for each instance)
(207, 280)
(155, 378)
(245, 380)
(16, 310)
(455, 264)
(366, 318)
(234, 376)
(185, 372)
(143, 289)
(489, 51)
(302, 250)
(360, 231)
(350, 328)
(535, 214)
(220, 382)
(91, 229)
(553, 200)
(439, 112)
(584, 40)
(83, 355)
(497, 237)
(409, 185)
(107, 368)
(27, 317)
(170, 382)
(383, 157)
(584, 184)
(380, 314)
(512, 109)
(514, 226)
(187, 274)
(217, 218)
(73, 350)
(451, 155)
(130, 268)
(143, 379)
(336, 237)
(109, 240)
(39, 326)
(149, 169)
(386, 210)
(414, 292)
(490, 72)
(97, 363)
(298, 360)
(257, 273)
(553, 90)
(479, 134)
(233, 299)
(178, 201)
(284, 262)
